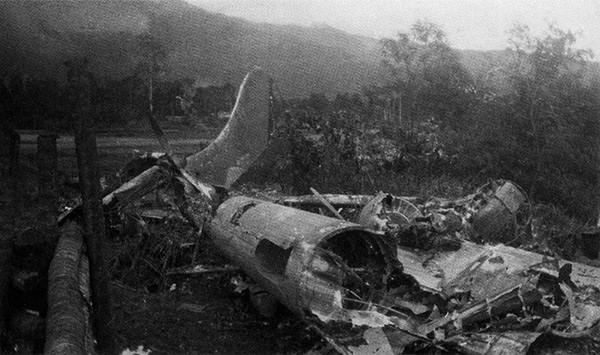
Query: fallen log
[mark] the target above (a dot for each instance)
(86, 294)
(66, 322)
(139, 186)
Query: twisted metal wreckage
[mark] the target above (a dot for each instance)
(401, 275)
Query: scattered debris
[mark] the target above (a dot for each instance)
(326, 204)
(407, 275)
(387, 213)
(413, 278)
(139, 351)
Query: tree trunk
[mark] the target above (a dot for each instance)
(95, 235)
(93, 213)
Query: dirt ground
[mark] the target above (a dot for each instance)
(202, 314)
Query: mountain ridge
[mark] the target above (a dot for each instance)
(209, 47)
(201, 45)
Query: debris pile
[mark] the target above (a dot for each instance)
(495, 213)
(407, 274)
(443, 290)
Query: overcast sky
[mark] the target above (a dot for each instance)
(469, 24)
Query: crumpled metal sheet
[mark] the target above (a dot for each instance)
(386, 212)
(513, 343)
(441, 298)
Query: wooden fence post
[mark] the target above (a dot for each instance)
(91, 195)
(47, 163)
(8, 215)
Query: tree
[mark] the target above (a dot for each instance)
(542, 129)
(348, 102)
(210, 100)
(317, 102)
(557, 113)
(152, 62)
(427, 74)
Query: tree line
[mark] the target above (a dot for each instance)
(534, 120)
(44, 103)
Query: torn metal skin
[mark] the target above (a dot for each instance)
(311, 263)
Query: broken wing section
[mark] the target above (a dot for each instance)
(241, 141)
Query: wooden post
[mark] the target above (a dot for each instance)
(8, 215)
(13, 170)
(48, 196)
(93, 213)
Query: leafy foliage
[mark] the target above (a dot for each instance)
(540, 130)
(543, 131)
(428, 74)
(340, 148)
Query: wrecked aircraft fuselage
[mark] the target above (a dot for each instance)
(312, 263)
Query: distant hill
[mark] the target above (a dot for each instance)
(38, 36)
